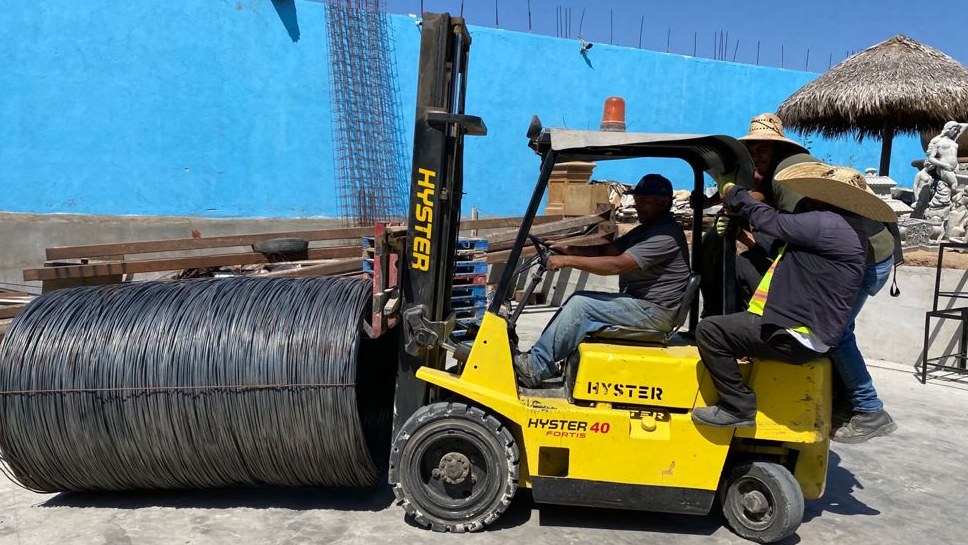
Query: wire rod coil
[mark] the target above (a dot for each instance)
(196, 384)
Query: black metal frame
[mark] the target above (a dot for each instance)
(542, 145)
(959, 313)
(427, 266)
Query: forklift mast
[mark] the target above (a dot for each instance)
(436, 186)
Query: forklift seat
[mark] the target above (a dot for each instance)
(621, 333)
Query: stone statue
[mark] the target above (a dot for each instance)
(938, 175)
(956, 223)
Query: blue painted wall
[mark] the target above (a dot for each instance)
(221, 108)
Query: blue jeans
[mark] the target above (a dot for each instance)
(588, 311)
(847, 357)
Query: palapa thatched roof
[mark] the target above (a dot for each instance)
(918, 87)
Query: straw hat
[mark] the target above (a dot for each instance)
(842, 187)
(769, 128)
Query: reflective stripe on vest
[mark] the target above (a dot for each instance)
(758, 301)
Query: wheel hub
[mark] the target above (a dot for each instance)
(454, 468)
(755, 503)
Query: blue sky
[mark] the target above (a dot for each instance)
(829, 29)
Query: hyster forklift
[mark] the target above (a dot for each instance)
(616, 432)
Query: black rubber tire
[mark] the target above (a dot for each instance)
(475, 434)
(784, 500)
(281, 246)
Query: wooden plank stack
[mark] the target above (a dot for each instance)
(11, 303)
(333, 252)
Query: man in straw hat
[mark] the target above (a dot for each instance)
(859, 413)
(771, 151)
(803, 304)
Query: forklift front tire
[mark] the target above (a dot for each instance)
(763, 502)
(453, 467)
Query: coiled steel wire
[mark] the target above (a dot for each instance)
(195, 384)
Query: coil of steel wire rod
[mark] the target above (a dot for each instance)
(195, 384)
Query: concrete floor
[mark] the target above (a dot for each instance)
(906, 488)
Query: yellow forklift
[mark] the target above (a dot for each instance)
(616, 432)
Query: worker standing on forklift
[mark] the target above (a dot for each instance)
(771, 152)
(803, 304)
(859, 414)
(652, 262)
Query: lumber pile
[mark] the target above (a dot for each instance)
(332, 252)
(11, 302)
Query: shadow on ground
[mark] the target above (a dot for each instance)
(612, 519)
(948, 379)
(838, 498)
(376, 498)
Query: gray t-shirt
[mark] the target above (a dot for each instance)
(662, 255)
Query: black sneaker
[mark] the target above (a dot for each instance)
(522, 369)
(864, 426)
(717, 417)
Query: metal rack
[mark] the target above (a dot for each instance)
(958, 313)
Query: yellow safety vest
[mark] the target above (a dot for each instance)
(758, 301)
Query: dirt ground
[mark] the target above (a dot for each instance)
(929, 258)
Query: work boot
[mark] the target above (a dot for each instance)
(718, 417)
(864, 426)
(522, 369)
(843, 409)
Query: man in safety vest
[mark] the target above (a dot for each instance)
(803, 304)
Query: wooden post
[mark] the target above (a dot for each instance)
(887, 139)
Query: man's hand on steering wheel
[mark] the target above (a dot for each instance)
(556, 262)
(543, 249)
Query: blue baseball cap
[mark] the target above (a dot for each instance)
(653, 184)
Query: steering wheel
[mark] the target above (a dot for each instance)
(543, 249)
(543, 253)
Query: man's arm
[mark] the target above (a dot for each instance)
(800, 229)
(592, 250)
(642, 255)
(603, 265)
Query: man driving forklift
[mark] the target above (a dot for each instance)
(652, 262)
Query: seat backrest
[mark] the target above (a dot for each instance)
(692, 289)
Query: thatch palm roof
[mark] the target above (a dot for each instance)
(916, 87)
(898, 85)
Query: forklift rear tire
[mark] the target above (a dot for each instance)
(762, 502)
(453, 467)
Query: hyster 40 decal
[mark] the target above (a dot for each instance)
(568, 428)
